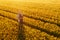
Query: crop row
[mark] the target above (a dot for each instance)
(57, 22)
(8, 14)
(47, 12)
(8, 29)
(30, 33)
(52, 28)
(40, 24)
(38, 13)
(34, 34)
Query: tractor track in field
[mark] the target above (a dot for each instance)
(33, 18)
(44, 30)
(42, 20)
(35, 27)
(8, 11)
(32, 26)
(8, 17)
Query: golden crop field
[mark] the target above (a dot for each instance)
(40, 21)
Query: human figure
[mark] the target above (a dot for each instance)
(21, 28)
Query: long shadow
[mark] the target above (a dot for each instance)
(34, 18)
(35, 27)
(51, 33)
(21, 35)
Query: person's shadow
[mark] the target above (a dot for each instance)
(21, 35)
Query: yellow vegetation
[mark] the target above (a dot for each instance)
(40, 21)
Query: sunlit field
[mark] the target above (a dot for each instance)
(41, 21)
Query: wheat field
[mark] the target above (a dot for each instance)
(40, 21)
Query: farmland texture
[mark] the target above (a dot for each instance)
(40, 21)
